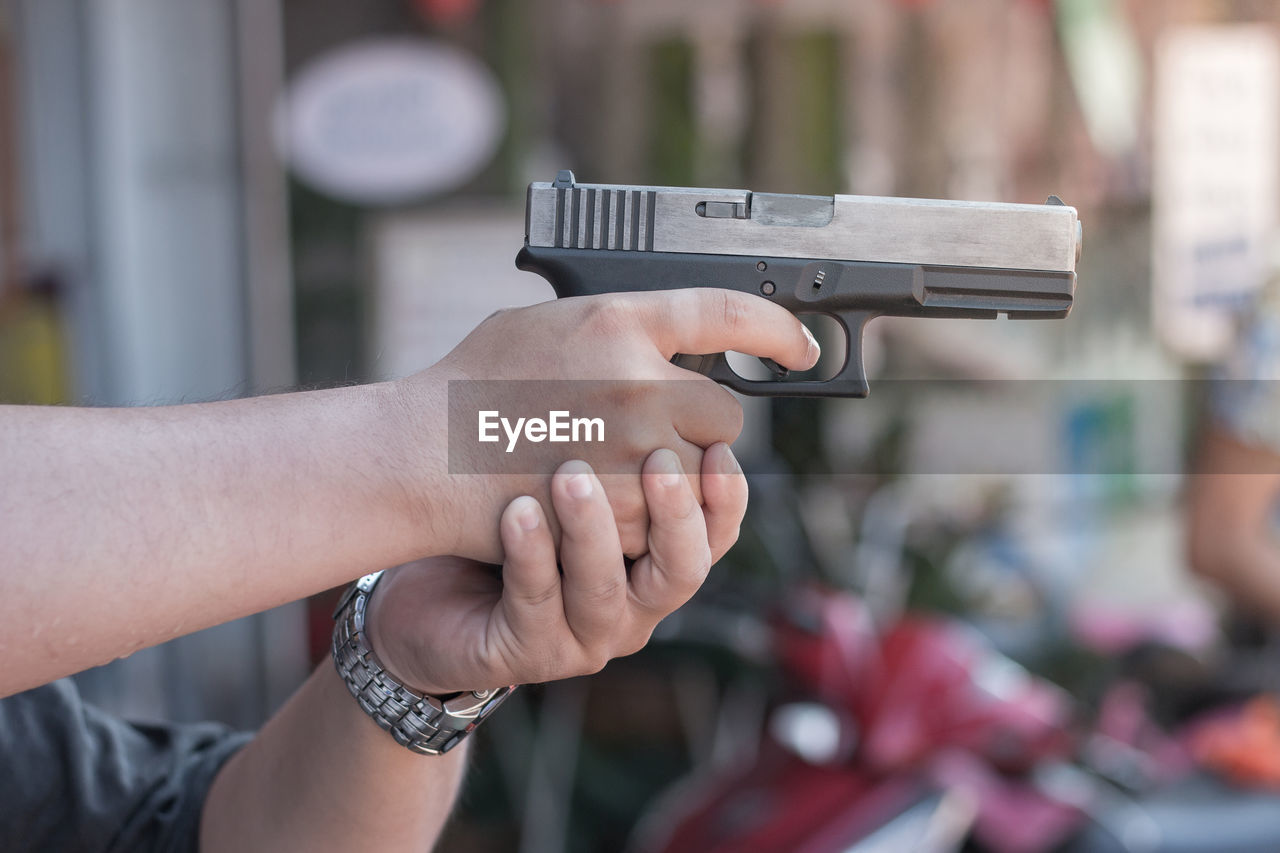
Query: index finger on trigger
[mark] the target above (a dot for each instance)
(704, 320)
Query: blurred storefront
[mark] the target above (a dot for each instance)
(151, 264)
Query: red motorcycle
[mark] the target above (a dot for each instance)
(911, 740)
(923, 737)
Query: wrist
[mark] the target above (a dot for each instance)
(425, 724)
(415, 414)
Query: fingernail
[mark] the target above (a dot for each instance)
(728, 462)
(669, 471)
(579, 486)
(577, 479)
(815, 351)
(527, 513)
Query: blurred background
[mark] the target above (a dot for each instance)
(958, 617)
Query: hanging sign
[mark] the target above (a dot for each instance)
(388, 121)
(1217, 138)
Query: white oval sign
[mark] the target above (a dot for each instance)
(389, 120)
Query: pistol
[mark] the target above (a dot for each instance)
(852, 258)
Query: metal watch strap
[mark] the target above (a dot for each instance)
(427, 725)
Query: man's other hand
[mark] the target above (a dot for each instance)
(449, 624)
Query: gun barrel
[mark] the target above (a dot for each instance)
(1039, 238)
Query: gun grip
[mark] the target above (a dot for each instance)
(851, 381)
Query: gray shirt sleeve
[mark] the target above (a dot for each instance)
(77, 779)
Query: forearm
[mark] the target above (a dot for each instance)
(122, 528)
(322, 776)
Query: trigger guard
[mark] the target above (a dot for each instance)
(849, 383)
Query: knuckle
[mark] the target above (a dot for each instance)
(636, 397)
(541, 596)
(609, 316)
(594, 659)
(604, 592)
(733, 312)
(733, 415)
(637, 641)
(699, 568)
(683, 578)
(716, 408)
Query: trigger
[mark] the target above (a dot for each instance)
(776, 369)
(697, 363)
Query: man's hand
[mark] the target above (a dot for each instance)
(448, 624)
(627, 339)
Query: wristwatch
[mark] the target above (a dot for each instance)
(428, 725)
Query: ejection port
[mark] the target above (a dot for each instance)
(812, 211)
(722, 209)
